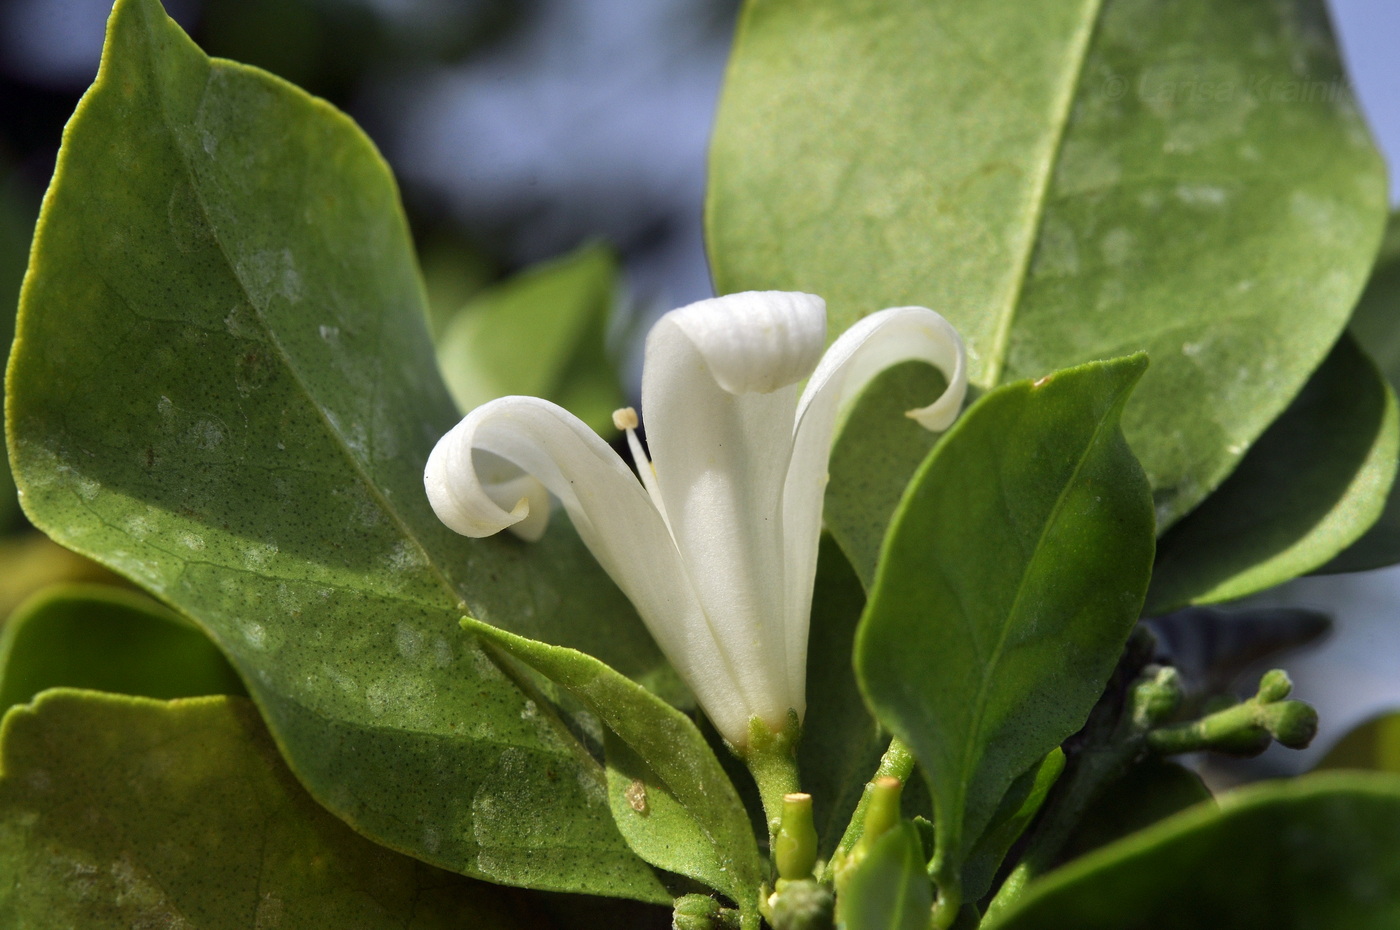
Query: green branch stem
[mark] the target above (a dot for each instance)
(897, 762)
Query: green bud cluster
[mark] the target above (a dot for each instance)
(1243, 729)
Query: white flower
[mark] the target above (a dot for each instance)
(716, 546)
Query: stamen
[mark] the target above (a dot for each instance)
(625, 419)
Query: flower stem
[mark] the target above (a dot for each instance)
(772, 760)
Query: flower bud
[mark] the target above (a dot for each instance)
(1293, 723)
(795, 846)
(1274, 686)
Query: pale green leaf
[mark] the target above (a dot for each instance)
(669, 795)
(889, 889)
(1065, 181)
(1374, 745)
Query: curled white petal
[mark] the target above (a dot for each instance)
(511, 488)
(757, 341)
(884, 339)
(872, 345)
(614, 517)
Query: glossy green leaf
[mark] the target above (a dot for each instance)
(1017, 809)
(1011, 577)
(889, 890)
(1151, 790)
(841, 742)
(678, 809)
(542, 335)
(876, 452)
(1312, 484)
(106, 639)
(1072, 180)
(120, 812)
(1376, 325)
(1374, 745)
(223, 387)
(1299, 855)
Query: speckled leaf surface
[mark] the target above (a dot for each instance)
(1308, 489)
(541, 334)
(1315, 852)
(223, 387)
(1011, 576)
(106, 639)
(671, 799)
(120, 812)
(1073, 181)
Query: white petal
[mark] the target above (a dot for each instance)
(508, 486)
(613, 516)
(873, 344)
(884, 339)
(718, 399)
(757, 341)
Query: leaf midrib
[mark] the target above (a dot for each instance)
(980, 703)
(1064, 103)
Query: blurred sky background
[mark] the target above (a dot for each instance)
(520, 128)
